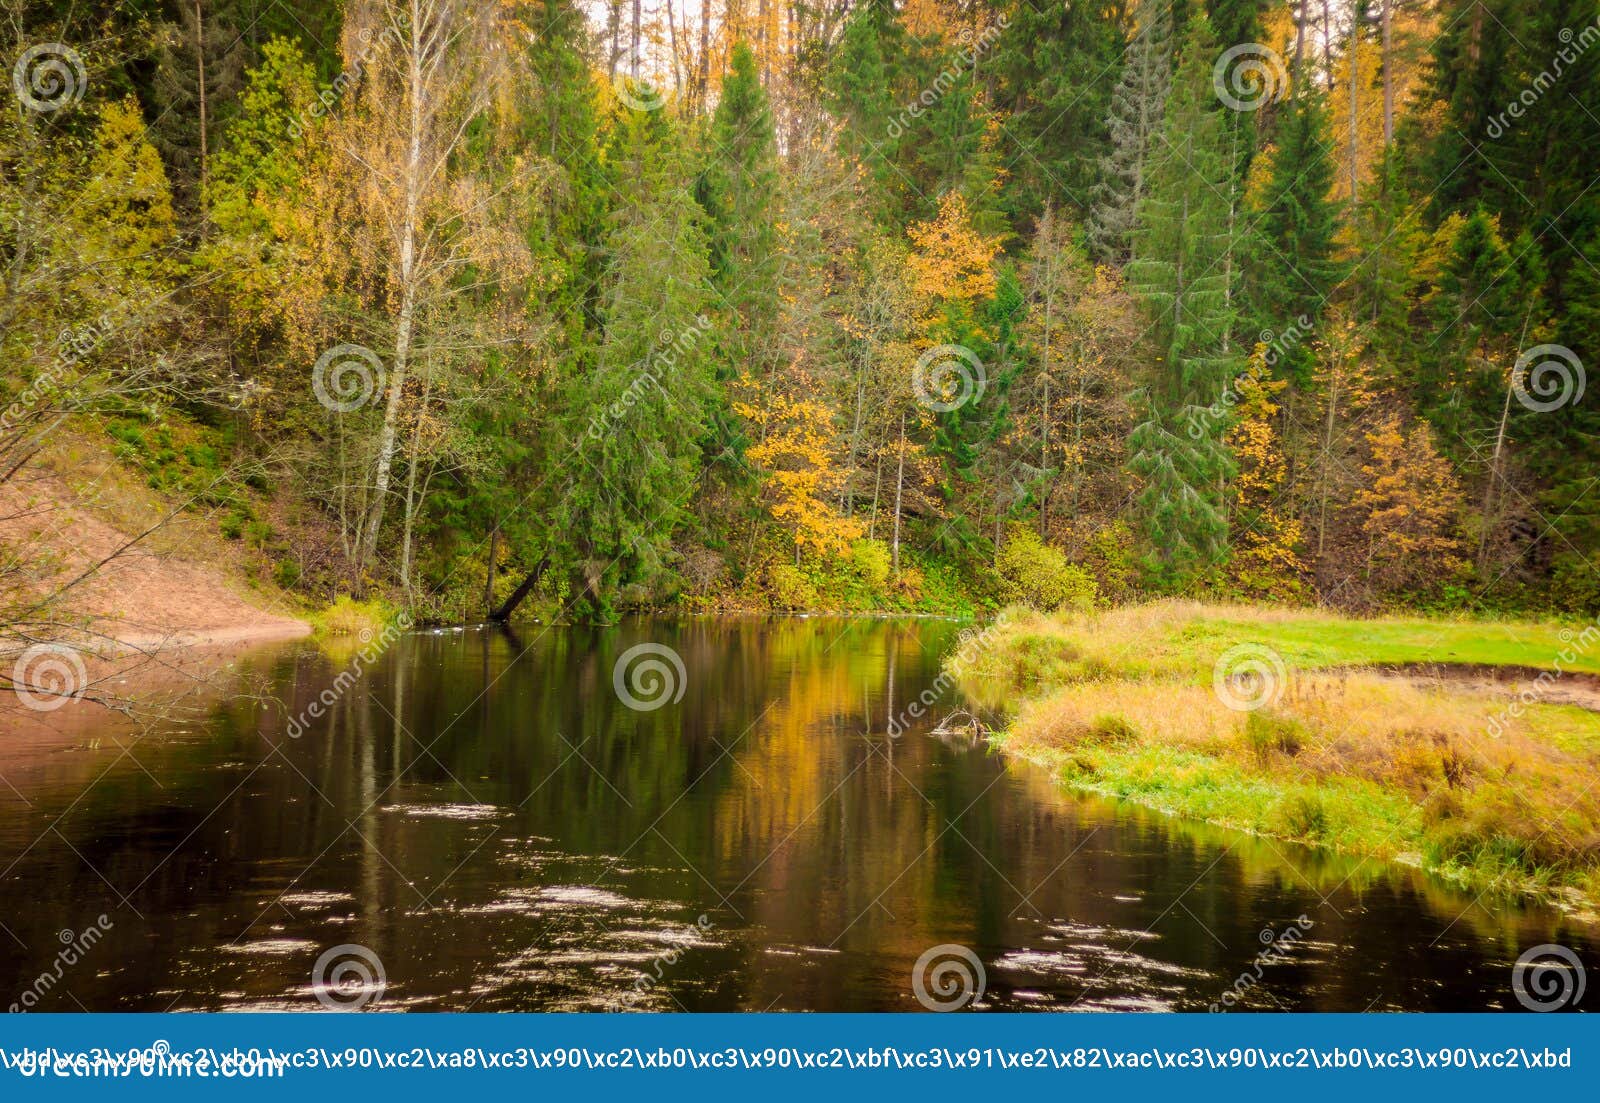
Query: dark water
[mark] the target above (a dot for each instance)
(496, 830)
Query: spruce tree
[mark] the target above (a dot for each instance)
(1048, 73)
(1299, 219)
(737, 190)
(1137, 104)
(1183, 242)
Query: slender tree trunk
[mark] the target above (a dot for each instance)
(1327, 43)
(638, 38)
(899, 490)
(408, 297)
(1350, 62)
(494, 557)
(1044, 422)
(1388, 81)
(200, 75)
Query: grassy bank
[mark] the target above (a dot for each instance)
(1266, 721)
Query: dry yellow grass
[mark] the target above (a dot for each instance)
(1467, 778)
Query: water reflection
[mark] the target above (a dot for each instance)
(485, 815)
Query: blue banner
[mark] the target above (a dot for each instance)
(678, 1056)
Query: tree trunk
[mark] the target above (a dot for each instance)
(408, 300)
(637, 38)
(488, 585)
(1388, 85)
(200, 74)
(899, 489)
(1350, 62)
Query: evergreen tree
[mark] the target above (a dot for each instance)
(1182, 244)
(1049, 71)
(636, 422)
(1299, 219)
(1137, 104)
(737, 190)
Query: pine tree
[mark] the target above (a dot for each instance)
(636, 422)
(1048, 72)
(1137, 105)
(1299, 219)
(1183, 241)
(737, 190)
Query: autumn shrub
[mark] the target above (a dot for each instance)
(1034, 574)
(790, 587)
(870, 560)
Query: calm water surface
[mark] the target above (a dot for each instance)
(497, 830)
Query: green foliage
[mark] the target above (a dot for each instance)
(1033, 573)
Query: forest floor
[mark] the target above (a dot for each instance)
(1470, 749)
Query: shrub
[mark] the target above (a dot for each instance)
(1304, 817)
(791, 589)
(870, 560)
(1267, 732)
(1035, 574)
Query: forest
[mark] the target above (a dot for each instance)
(925, 306)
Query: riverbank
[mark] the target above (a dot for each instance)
(1382, 738)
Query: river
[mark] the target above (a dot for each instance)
(536, 821)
